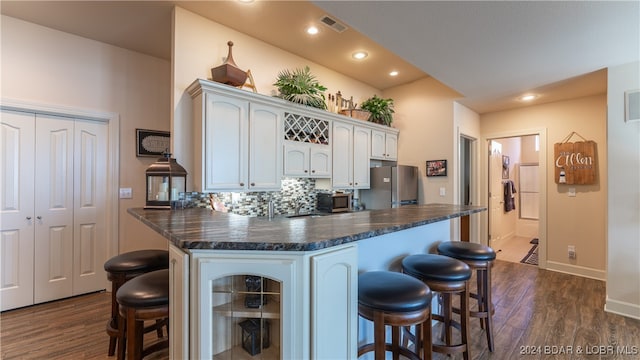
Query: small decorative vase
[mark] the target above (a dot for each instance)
(229, 73)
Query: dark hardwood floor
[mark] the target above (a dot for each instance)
(539, 314)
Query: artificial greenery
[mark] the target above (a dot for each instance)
(381, 110)
(300, 86)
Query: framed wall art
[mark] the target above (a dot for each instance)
(152, 143)
(436, 167)
(632, 105)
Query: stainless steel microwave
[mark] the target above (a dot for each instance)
(334, 202)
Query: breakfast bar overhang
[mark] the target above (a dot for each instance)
(309, 265)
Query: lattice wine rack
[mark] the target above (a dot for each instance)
(306, 129)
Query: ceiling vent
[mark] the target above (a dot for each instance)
(333, 24)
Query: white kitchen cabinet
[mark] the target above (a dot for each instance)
(305, 301)
(351, 146)
(306, 160)
(237, 143)
(178, 303)
(53, 209)
(334, 299)
(384, 145)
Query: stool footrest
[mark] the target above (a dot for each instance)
(388, 347)
(449, 349)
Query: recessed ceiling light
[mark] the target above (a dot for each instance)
(246, 1)
(312, 30)
(528, 97)
(359, 55)
(393, 73)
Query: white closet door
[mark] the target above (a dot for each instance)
(16, 209)
(54, 208)
(90, 198)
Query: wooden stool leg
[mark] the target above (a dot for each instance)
(135, 330)
(489, 306)
(122, 339)
(426, 339)
(113, 321)
(379, 336)
(395, 341)
(464, 320)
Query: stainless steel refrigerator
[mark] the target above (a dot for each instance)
(391, 186)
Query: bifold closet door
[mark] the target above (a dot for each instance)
(17, 219)
(90, 206)
(54, 149)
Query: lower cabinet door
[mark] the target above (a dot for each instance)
(178, 303)
(247, 306)
(334, 300)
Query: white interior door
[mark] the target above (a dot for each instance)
(54, 208)
(90, 200)
(496, 197)
(16, 209)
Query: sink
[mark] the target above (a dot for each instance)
(305, 215)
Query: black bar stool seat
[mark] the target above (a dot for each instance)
(480, 259)
(145, 297)
(448, 277)
(122, 268)
(398, 300)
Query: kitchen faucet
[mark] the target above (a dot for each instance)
(298, 204)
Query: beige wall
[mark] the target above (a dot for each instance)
(424, 116)
(200, 44)
(580, 220)
(45, 66)
(623, 218)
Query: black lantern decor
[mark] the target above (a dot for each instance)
(255, 339)
(166, 179)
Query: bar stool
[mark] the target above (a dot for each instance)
(144, 298)
(479, 258)
(122, 268)
(448, 277)
(398, 300)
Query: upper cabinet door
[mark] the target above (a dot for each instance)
(225, 143)
(265, 157)
(342, 155)
(320, 162)
(296, 159)
(391, 146)
(377, 144)
(361, 148)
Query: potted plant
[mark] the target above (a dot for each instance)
(381, 110)
(300, 86)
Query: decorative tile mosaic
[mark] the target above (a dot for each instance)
(294, 191)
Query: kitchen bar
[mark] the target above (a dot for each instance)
(314, 260)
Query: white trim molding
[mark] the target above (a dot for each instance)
(622, 308)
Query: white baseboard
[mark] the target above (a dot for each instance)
(577, 270)
(622, 308)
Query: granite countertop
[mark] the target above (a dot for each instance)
(200, 228)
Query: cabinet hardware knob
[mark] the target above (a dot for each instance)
(306, 171)
(356, 184)
(241, 184)
(39, 217)
(28, 217)
(350, 184)
(253, 184)
(313, 171)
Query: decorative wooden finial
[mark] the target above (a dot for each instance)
(230, 55)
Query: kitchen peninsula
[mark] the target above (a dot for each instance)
(305, 304)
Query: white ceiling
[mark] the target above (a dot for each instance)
(489, 51)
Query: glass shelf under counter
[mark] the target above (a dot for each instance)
(240, 301)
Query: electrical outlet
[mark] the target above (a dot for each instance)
(572, 192)
(126, 193)
(443, 191)
(572, 251)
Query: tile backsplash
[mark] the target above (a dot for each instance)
(256, 203)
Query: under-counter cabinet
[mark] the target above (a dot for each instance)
(384, 145)
(351, 146)
(279, 304)
(237, 141)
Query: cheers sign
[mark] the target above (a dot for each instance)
(575, 163)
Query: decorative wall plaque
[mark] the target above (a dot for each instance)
(575, 163)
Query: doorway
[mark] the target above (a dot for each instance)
(513, 197)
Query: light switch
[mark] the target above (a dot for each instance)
(443, 191)
(126, 193)
(572, 192)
